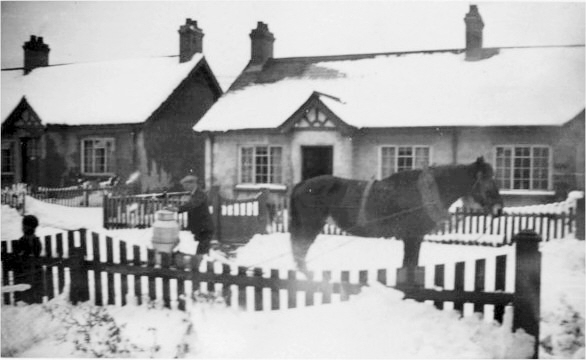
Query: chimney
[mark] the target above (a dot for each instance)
(190, 40)
(36, 54)
(474, 26)
(261, 43)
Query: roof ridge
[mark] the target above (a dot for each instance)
(97, 61)
(371, 55)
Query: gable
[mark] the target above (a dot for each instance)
(314, 118)
(315, 115)
(24, 121)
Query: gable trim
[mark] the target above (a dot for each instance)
(314, 102)
(10, 124)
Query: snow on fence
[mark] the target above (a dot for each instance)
(104, 270)
(548, 225)
(236, 221)
(74, 196)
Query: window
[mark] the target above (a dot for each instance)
(97, 156)
(401, 158)
(261, 165)
(8, 157)
(523, 167)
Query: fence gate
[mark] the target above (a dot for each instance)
(237, 221)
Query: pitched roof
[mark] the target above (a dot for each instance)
(110, 92)
(518, 86)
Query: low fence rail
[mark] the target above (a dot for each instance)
(103, 270)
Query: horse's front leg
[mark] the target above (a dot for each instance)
(411, 247)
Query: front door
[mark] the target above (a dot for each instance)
(316, 160)
(28, 156)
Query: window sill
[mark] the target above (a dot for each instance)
(273, 187)
(528, 192)
(97, 174)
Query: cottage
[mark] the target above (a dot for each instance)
(103, 119)
(367, 116)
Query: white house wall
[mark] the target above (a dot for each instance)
(367, 147)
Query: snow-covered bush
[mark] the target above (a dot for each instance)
(86, 330)
(565, 329)
(23, 326)
(92, 330)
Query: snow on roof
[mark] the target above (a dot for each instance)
(122, 91)
(518, 86)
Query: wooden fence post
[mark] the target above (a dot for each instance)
(105, 211)
(527, 301)
(79, 277)
(263, 212)
(217, 206)
(580, 219)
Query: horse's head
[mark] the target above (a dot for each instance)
(485, 191)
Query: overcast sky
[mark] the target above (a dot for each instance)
(97, 31)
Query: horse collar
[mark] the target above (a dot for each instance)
(362, 210)
(430, 196)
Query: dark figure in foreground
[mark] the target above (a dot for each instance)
(199, 220)
(29, 244)
(406, 205)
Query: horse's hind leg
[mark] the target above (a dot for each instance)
(411, 246)
(306, 224)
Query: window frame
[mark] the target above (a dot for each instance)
(512, 147)
(396, 147)
(110, 162)
(270, 164)
(9, 145)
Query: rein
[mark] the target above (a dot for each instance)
(430, 197)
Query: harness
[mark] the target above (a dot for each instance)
(362, 210)
(430, 196)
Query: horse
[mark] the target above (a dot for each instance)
(406, 205)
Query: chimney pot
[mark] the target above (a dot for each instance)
(190, 40)
(261, 43)
(474, 28)
(36, 54)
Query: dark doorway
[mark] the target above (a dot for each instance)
(316, 160)
(28, 156)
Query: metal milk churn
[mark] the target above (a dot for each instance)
(165, 231)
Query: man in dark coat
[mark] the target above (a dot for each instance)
(199, 219)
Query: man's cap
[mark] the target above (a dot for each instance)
(189, 179)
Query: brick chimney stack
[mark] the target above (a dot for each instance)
(36, 54)
(190, 40)
(261, 44)
(474, 27)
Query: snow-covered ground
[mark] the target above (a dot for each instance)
(374, 324)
